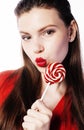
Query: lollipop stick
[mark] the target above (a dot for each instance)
(45, 91)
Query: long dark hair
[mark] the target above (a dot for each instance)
(28, 86)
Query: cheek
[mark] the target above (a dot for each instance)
(59, 50)
(27, 50)
(62, 51)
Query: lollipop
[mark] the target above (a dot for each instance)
(55, 73)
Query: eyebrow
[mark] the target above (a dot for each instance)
(43, 28)
(40, 30)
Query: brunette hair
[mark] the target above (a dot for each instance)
(28, 86)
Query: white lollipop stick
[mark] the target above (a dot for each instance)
(45, 91)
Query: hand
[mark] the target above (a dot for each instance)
(38, 117)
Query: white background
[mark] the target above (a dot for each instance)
(10, 47)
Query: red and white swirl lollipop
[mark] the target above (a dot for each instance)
(55, 73)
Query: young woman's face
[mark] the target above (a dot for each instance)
(44, 36)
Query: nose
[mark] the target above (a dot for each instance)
(38, 46)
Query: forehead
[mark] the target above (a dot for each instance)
(37, 17)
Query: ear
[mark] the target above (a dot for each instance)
(72, 30)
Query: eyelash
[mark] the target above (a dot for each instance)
(49, 32)
(25, 38)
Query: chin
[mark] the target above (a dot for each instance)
(41, 69)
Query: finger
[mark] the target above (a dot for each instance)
(30, 121)
(39, 105)
(27, 126)
(37, 115)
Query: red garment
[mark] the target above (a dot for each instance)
(7, 82)
(58, 122)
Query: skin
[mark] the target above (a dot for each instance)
(34, 28)
(44, 34)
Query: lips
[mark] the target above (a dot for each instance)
(41, 62)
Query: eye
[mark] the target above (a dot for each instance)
(49, 32)
(26, 37)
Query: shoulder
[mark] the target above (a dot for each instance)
(7, 82)
(10, 75)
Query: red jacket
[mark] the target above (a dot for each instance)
(58, 122)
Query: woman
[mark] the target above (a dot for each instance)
(49, 33)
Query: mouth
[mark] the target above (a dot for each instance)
(41, 62)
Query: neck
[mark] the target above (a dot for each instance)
(57, 90)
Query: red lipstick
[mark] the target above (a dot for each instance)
(41, 62)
